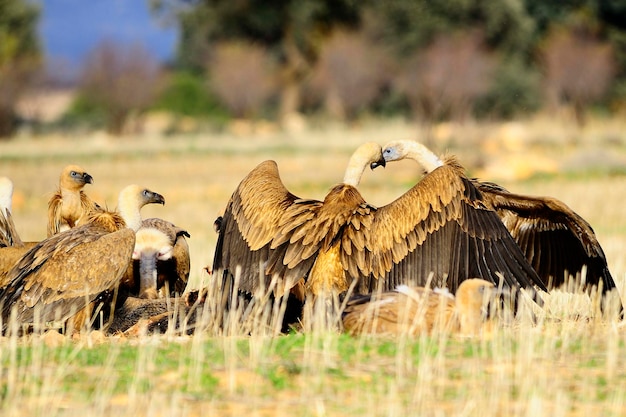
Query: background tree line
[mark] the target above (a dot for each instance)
(426, 59)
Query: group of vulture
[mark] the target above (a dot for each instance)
(434, 257)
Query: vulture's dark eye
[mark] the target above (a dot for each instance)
(74, 173)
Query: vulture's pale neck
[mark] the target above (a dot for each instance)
(129, 208)
(6, 193)
(424, 156)
(360, 159)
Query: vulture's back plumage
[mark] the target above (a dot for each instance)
(62, 274)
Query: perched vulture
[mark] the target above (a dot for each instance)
(70, 206)
(64, 273)
(161, 262)
(440, 226)
(556, 241)
(415, 310)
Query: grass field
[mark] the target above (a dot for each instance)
(570, 362)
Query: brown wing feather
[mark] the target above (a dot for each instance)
(63, 273)
(442, 227)
(249, 223)
(8, 231)
(555, 239)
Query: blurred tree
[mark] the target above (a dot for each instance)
(186, 94)
(350, 73)
(122, 80)
(444, 79)
(20, 56)
(410, 25)
(243, 77)
(579, 68)
(291, 30)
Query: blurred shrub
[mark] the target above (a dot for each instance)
(122, 80)
(243, 77)
(83, 113)
(579, 68)
(516, 90)
(186, 94)
(351, 72)
(446, 78)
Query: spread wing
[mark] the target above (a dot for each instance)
(250, 221)
(556, 241)
(62, 274)
(442, 228)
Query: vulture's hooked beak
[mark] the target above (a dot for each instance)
(380, 163)
(152, 197)
(87, 178)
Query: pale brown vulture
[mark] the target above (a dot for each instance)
(415, 310)
(161, 261)
(69, 206)
(556, 241)
(431, 229)
(68, 271)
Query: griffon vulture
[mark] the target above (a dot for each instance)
(556, 241)
(268, 231)
(70, 206)
(66, 272)
(161, 262)
(415, 310)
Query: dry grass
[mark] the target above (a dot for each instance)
(563, 364)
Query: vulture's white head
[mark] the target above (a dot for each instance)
(367, 154)
(132, 199)
(397, 150)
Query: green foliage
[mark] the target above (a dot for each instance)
(515, 90)
(187, 94)
(19, 56)
(410, 25)
(18, 30)
(83, 113)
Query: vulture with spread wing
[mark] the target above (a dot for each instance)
(439, 228)
(556, 241)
